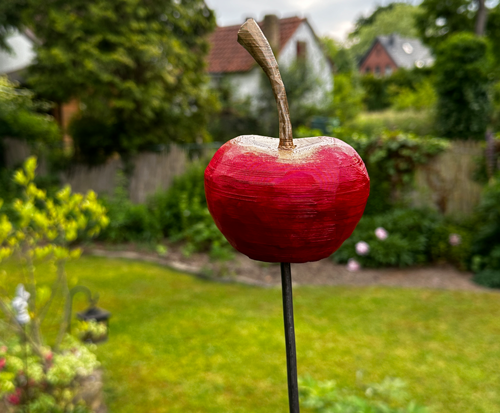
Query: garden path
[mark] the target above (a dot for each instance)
(325, 272)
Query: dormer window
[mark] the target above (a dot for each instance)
(301, 50)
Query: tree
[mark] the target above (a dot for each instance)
(304, 94)
(393, 18)
(462, 81)
(439, 19)
(136, 66)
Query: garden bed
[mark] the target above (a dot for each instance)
(325, 272)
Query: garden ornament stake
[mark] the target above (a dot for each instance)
(280, 200)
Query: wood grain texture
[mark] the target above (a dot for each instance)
(286, 206)
(253, 40)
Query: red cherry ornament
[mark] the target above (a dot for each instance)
(280, 200)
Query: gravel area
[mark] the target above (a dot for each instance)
(325, 272)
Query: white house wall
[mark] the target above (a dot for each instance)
(315, 56)
(248, 83)
(21, 57)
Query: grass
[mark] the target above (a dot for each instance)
(180, 344)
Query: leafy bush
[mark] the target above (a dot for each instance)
(182, 215)
(386, 397)
(486, 243)
(409, 237)
(408, 242)
(462, 82)
(391, 159)
(419, 122)
(128, 221)
(488, 278)
(21, 117)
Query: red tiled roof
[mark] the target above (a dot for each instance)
(227, 55)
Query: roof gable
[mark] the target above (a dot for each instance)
(406, 52)
(227, 55)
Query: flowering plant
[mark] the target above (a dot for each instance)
(42, 230)
(45, 382)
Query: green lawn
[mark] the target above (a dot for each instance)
(180, 344)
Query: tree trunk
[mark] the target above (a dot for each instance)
(482, 14)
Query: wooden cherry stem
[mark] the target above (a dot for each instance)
(251, 38)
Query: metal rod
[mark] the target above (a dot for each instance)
(291, 351)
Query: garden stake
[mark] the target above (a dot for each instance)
(291, 352)
(280, 200)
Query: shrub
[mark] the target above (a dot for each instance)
(486, 243)
(462, 81)
(488, 278)
(408, 242)
(391, 159)
(419, 122)
(128, 221)
(182, 215)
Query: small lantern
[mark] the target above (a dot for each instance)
(101, 318)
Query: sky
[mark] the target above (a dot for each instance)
(333, 18)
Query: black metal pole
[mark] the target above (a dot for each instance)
(291, 351)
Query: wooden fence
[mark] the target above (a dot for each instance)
(444, 184)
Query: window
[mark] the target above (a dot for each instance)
(301, 50)
(368, 70)
(388, 70)
(377, 70)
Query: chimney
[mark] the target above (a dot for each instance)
(271, 29)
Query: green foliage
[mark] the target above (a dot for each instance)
(182, 214)
(304, 94)
(409, 121)
(348, 95)
(380, 92)
(236, 116)
(340, 55)
(408, 242)
(388, 396)
(488, 278)
(437, 19)
(20, 116)
(52, 378)
(395, 17)
(486, 245)
(42, 229)
(423, 97)
(462, 82)
(415, 236)
(138, 69)
(129, 221)
(391, 159)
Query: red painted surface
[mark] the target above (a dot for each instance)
(276, 209)
(378, 58)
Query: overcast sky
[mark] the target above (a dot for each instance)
(327, 17)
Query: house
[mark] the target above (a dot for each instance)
(388, 53)
(13, 64)
(291, 38)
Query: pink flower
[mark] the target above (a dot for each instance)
(381, 233)
(455, 239)
(15, 398)
(2, 363)
(49, 356)
(362, 248)
(3, 349)
(353, 265)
